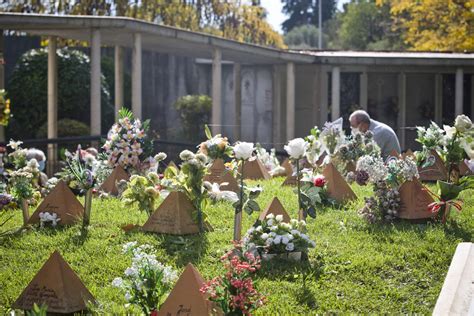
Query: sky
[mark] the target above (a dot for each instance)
(276, 17)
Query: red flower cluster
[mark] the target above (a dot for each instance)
(319, 181)
(235, 292)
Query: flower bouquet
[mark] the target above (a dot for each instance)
(80, 178)
(270, 161)
(234, 292)
(354, 147)
(314, 192)
(452, 143)
(447, 197)
(190, 180)
(274, 238)
(147, 281)
(4, 109)
(215, 147)
(386, 180)
(127, 144)
(142, 190)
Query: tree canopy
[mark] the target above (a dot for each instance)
(231, 19)
(302, 12)
(434, 25)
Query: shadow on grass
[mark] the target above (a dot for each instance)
(453, 228)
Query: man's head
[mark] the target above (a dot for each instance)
(360, 121)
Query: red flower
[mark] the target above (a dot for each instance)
(154, 313)
(319, 181)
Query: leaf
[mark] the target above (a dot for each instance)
(251, 206)
(207, 131)
(311, 212)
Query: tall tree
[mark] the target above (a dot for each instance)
(303, 12)
(434, 25)
(365, 26)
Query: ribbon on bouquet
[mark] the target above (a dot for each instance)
(435, 207)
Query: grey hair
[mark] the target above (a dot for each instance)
(360, 116)
(36, 154)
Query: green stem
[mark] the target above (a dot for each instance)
(300, 208)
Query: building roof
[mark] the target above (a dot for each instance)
(166, 39)
(390, 58)
(156, 37)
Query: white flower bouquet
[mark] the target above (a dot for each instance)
(273, 236)
(147, 282)
(127, 144)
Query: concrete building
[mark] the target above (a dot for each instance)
(259, 94)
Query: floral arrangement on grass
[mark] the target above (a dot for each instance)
(314, 192)
(48, 219)
(296, 149)
(273, 236)
(78, 171)
(243, 151)
(215, 147)
(332, 136)
(190, 180)
(143, 191)
(447, 197)
(452, 143)
(269, 160)
(146, 282)
(127, 143)
(386, 179)
(354, 147)
(315, 146)
(235, 292)
(5, 111)
(7, 204)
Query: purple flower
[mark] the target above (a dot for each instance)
(362, 177)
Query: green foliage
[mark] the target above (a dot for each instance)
(66, 127)
(142, 192)
(195, 111)
(355, 268)
(304, 37)
(38, 310)
(28, 91)
(365, 25)
(303, 12)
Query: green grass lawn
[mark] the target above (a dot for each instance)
(356, 267)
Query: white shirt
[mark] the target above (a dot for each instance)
(385, 137)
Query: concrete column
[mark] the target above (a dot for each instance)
(336, 93)
(363, 84)
(52, 104)
(217, 91)
(459, 93)
(95, 83)
(324, 86)
(137, 75)
(290, 101)
(276, 117)
(472, 96)
(238, 101)
(438, 90)
(402, 104)
(119, 99)
(2, 82)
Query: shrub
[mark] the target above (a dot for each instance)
(66, 127)
(195, 112)
(28, 91)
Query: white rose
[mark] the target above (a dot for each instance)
(117, 282)
(290, 246)
(264, 236)
(279, 218)
(468, 148)
(243, 150)
(285, 240)
(269, 241)
(296, 148)
(160, 156)
(462, 123)
(277, 240)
